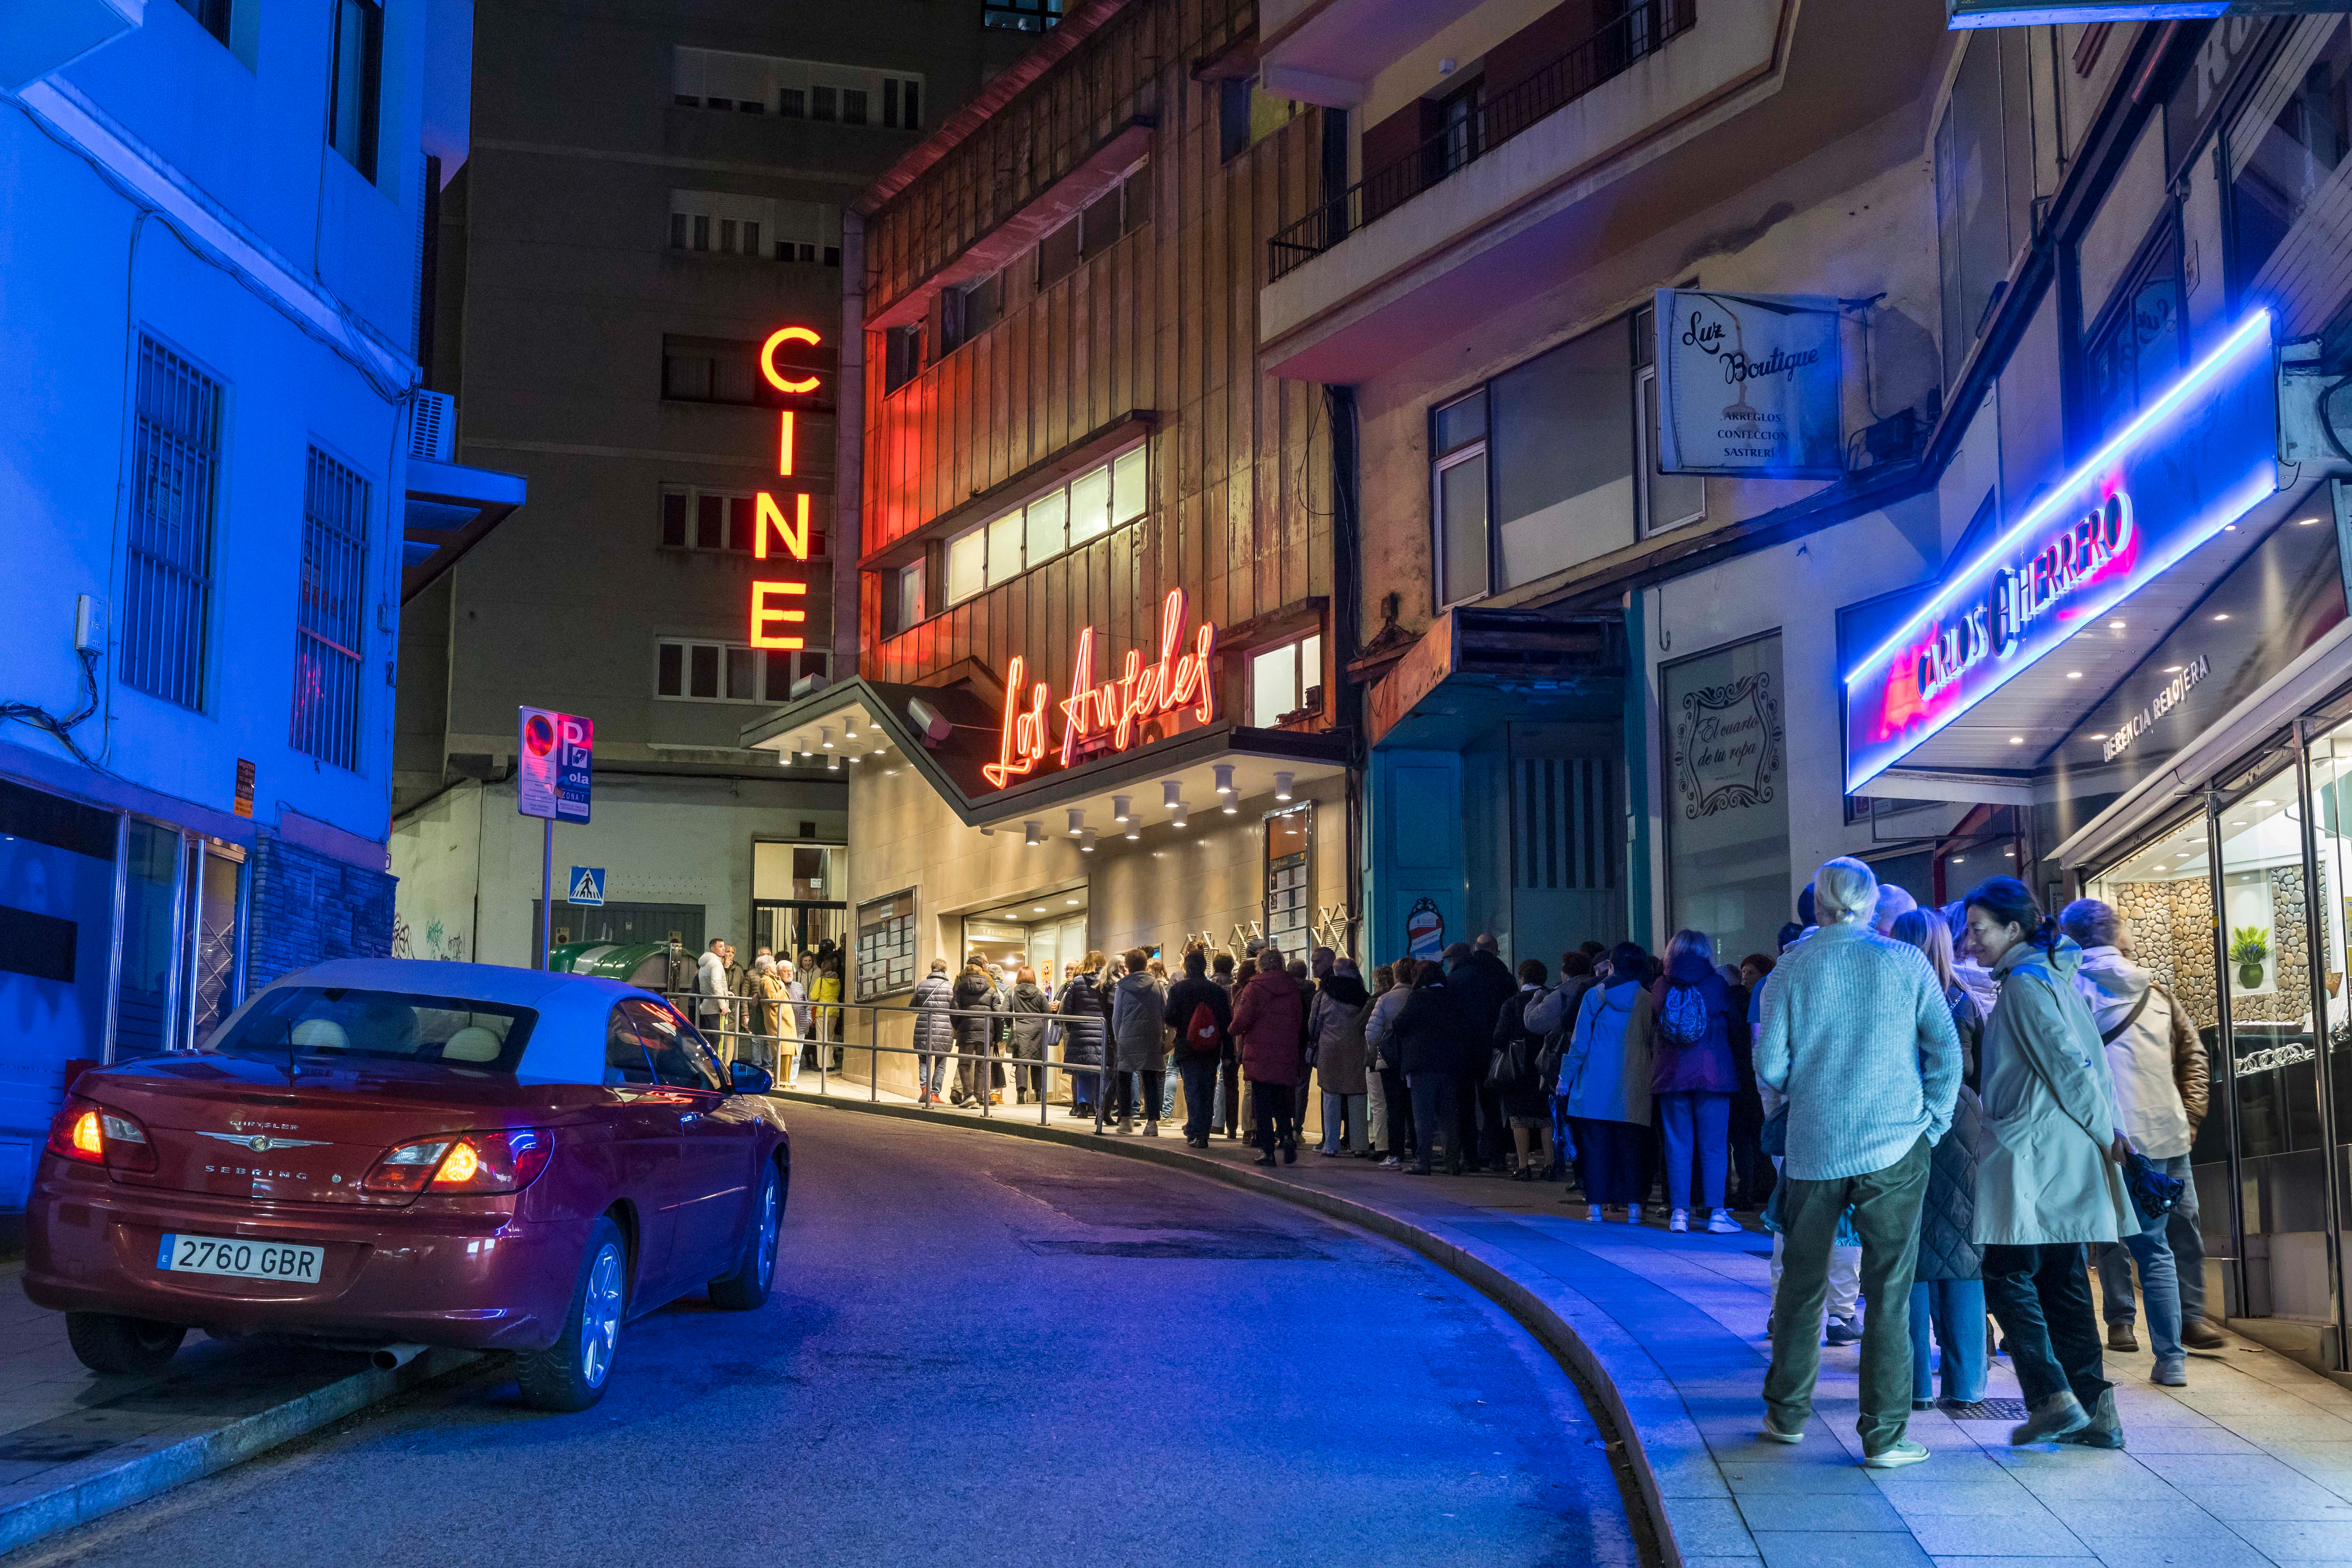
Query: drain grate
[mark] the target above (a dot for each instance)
(1984, 1410)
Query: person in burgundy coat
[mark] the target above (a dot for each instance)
(1269, 1018)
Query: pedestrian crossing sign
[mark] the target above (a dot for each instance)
(587, 885)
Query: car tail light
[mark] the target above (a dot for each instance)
(96, 1134)
(505, 1162)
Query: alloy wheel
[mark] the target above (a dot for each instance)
(768, 1233)
(600, 1316)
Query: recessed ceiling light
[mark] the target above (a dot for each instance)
(2099, 736)
(2229, 528)
(2172, 669)
(1069, 901)
(1959, 859)
(2222, 617)
(2017, 739)
(2074, 674)
(2304, 521)
(1038, 910)
(2010, 853)
(2115, 626)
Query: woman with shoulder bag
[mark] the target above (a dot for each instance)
(2050, 1167)
(1515, 1071)
(1605, 1080)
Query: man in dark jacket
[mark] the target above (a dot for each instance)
(1480, 984)
(1226, 1106)
(1200, 1052)
(1428, 1037)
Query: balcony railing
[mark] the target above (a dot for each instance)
(1483, 126)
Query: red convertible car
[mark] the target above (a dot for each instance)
(388, 1153)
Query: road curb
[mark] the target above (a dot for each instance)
(107, 1482)
(1553, 1332)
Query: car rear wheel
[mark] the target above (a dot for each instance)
(747, 1287)
(571, 1373)
(107, 1342)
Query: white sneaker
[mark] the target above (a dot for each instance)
(1392, 1163)
(1592, 1213)
(1720, 1223)
(1632, 1214)
(1679, 1221)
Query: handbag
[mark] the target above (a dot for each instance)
(2154, 1194)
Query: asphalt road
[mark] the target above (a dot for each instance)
(981, 1350)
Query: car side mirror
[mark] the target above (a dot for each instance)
(752, 1080)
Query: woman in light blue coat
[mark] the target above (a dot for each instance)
(1605, 1083)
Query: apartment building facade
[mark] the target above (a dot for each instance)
(639, 304)
(219, 495)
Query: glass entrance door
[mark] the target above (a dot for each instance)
(2289, 1271)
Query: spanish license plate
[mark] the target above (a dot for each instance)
(235, 1254)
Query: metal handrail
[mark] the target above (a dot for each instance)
(1613, 49)
(688, 1005)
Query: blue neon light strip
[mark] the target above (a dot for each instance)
(2232, 506)
(2255, 329)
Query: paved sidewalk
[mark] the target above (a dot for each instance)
(2251, 1464)
(75, 1445)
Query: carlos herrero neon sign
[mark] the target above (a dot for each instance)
(775, 603)
(1112, 709)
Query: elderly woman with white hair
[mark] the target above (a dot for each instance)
(1858, 1037)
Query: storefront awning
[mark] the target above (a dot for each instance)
(1474, 669)
(951, 736)
(1962, 691)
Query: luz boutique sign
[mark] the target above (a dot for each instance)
(2194, 459)
(1747, 385)
(1105, 716)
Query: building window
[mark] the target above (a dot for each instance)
(1458, 498)
(330, 622)
(1289, 868)
(2138, 340)
(1021, 16)
(693, 518)
(902, 356)
(1057, 254)
(1662, 500)
(212, 15)
(1984, 181)
(1286, 682)
(908, 605)
(1053, 523)
(853, 106)
(739, 84)
(902, 102)
(175, 480)
(722, 223)
(355, 85)
(724, 370)
(2277, 168)
(967, 312)
(1540, 472)
(689, 672)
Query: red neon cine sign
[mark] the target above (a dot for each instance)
(1111, 709)
(774, 603)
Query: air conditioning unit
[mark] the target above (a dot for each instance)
(433, 430)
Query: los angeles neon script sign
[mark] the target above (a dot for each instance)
(774, 602)
(1113, 708)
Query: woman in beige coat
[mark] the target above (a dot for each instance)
(2049, 1161)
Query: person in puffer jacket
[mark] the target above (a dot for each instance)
(975, 998)
(1948, 1289)
(933, 1031)
(1084, 1016)
(1137, 1004)
(1691, 1077)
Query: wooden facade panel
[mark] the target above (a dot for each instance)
(1165, 321)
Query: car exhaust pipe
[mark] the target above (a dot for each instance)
(391, 1358)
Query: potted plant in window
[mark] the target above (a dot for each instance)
(2249, 949)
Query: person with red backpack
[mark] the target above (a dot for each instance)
(1202, 1016)
(1693, 1077)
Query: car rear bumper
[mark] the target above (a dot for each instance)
(474, 1280)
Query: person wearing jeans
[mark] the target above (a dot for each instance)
(1858, 1039)
(1426, 1040)
(1387, 1060)
(1202, 1016)
(2162, 1086)
(1693, 1077)
(1334, 1022)
(1948, 1294)
(1604, 1084)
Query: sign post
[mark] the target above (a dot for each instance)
(554, 761)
